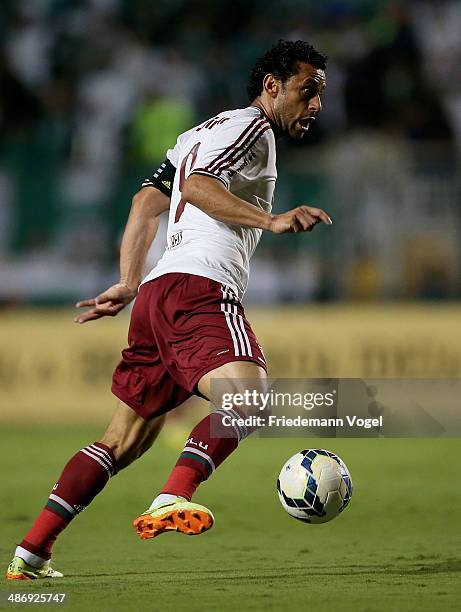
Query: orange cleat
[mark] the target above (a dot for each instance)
(182, 516)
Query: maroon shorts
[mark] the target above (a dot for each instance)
(182, 326)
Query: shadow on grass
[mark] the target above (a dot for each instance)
(409, 569)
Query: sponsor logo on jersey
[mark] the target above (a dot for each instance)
(244, 163)
(167, 184)
(175, 240)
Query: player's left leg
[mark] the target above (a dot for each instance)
(208, 445)
(84, 476)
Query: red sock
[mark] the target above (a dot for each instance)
(209, 444)
(84, 476)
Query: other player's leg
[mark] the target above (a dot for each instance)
(84, 476)
(207, 446)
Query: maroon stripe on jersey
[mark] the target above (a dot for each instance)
(235, 154)
(231, 158)
(235, 144)
(241, 154)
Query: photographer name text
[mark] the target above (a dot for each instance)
(299, 421)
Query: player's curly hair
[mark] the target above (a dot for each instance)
(281, 61)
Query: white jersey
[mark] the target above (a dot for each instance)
(238, 148)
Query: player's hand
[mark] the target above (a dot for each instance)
(107, 304)
(300, 219)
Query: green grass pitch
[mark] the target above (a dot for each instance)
(396, 547)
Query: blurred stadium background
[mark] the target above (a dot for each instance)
(92, 93)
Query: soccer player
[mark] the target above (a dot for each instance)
(188, 326)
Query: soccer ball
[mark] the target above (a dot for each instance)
(314, 486)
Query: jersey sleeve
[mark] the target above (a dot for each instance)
(173, 154)
(162, 178)
(231, 146)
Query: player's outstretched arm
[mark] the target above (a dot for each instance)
(210, 195)
(140, 231)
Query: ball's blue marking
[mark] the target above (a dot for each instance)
(318, 507)
(289, 502)
(301, 503)
(312, 483)
(348, 482)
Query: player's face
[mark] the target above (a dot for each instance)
(298, 101)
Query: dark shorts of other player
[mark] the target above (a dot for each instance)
(182, 326)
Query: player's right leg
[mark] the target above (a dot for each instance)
(207, 447)
(84, 476)
(202, 334)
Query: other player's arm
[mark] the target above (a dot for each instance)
(141, 228)
(212, 197)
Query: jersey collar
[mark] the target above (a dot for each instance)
(274, 128)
